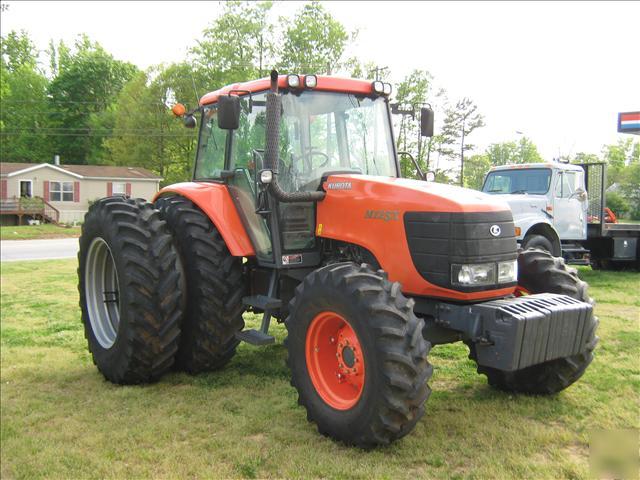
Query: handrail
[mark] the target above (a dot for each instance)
(29, 206)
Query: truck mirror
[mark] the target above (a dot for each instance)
(426, 122)
(228, 112)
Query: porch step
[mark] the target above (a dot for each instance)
(262, 302)
(255, 337)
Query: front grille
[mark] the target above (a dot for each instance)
(437, 239)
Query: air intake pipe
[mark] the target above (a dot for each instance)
(272, 149)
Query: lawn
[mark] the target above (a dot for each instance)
(61, 419)
(34, 232)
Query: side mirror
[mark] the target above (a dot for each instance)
(426, 122)
(430, 176)
(228, 112)
(190, 121)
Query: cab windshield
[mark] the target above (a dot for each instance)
(532, 181)
(325, 132)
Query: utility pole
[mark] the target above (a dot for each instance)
(378, 70)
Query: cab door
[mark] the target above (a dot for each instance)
(569, 206)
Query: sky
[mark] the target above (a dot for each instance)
(557, 72)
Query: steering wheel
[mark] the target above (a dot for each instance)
(311, 152)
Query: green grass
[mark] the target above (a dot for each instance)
(61, 419)
(34, 232)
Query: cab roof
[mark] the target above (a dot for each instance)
(557, 165)
(324, 83)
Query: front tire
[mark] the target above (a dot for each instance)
(130, 284)
(540, 272)
(537, 241)
(214, 287)
(357, 355)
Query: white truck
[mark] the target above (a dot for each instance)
(560, 207)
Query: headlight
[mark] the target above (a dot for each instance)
(508, 271)
(477, 274)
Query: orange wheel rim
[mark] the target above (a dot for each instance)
(335, 360)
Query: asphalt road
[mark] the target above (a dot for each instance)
(51, 249)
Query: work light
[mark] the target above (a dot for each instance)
(386, 88)
(310, 81)
(293, 81)
(378, 86)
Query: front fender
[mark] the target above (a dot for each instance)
(216, 202)
(526, 221)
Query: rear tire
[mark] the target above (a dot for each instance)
(214, 288)
(540, 272)
(387, 387)
(130, 284)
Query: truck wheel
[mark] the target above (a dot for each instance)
(539, 272)
(214, 287)
(537, 241)
(357, 355)
(131, 284)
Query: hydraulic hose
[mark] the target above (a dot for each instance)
(272, 149)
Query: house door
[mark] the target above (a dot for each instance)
(26, 188)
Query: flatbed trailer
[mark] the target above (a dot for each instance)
(611, 246)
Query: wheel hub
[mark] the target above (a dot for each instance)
(102, 293)
(335, 360)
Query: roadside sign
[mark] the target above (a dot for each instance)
(629, 122)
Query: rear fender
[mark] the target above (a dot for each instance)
(215, 201)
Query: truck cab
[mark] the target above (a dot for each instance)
(549, 203)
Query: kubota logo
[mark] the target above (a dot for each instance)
(495, 230)
(385, 215)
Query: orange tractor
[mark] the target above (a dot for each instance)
(297, 211)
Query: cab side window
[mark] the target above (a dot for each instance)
(210, 159)
(566, 184)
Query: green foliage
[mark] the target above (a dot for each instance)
(617, 203)
(475, 169)
(414, 91)
(87, 83)
(314, 42)
(23, 96)
(507, 153)
(460, 121)
(237, 46)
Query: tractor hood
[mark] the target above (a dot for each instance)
(405, 194)
(412, 226)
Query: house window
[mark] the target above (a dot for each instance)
(119, 188)
(61, 191)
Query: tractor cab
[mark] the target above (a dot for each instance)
(327, 126)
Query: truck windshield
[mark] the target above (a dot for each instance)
(333, 132)
(533, 181)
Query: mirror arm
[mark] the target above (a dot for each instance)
(415, 164)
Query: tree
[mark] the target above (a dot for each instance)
(412, 93)
(460, 121)
(475, 170)
(507, 153)
(23, 116)
(88, 82)
(145, 133)
(314, 42)
(239, 45)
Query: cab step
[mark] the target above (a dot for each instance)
(262, 302)
(255, 337)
